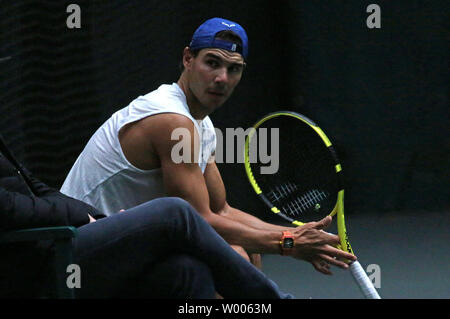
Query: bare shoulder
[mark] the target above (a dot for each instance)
(143, 141)
(166, 120)
(161, 128)
(155, 126)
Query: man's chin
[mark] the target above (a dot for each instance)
(214, 105)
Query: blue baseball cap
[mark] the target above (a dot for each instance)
(204, 36)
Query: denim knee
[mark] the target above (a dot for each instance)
(179, 205)
(177, 202)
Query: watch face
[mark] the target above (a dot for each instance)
(288, 243)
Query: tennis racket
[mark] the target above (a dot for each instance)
(308, 184)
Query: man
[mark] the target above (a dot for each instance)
(130, 159)
(155, 250)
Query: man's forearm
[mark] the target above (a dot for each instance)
(252, 239)
(250, 220)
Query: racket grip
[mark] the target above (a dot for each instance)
(363, 281)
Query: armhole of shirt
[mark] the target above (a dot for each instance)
(122, 154)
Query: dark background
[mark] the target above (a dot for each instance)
(381, 95)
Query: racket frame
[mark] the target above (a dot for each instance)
(339, 207)
(355, 267)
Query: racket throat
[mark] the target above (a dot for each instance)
(342, 230)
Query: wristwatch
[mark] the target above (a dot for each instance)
(287, 243)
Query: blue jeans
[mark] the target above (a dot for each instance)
(163, 249)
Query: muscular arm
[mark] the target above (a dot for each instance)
(185, 179)
(207, 194)
(219, 205)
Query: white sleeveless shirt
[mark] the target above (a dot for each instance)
(105, 179)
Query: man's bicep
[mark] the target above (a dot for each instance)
(175, 145)
(216, 188)
(185, 180)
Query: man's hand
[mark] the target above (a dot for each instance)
(318, 247)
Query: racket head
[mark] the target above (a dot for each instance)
(308, 184)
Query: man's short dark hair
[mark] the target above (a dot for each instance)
(226, 35)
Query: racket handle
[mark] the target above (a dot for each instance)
(363, 281)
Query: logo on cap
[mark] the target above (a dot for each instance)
(228, 25)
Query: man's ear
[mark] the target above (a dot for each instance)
(187, 58)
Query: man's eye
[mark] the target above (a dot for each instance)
(212, 63)
(235, 68)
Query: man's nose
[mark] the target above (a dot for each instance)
(222, 76)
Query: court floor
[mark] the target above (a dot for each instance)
(411, 249)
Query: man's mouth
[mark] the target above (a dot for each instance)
(216, 93)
